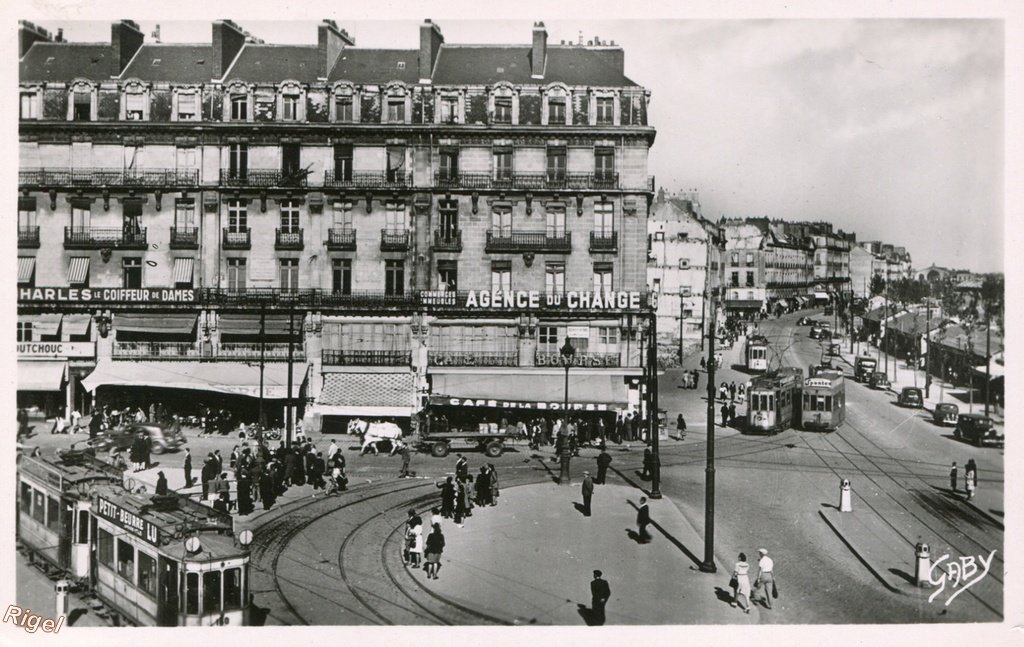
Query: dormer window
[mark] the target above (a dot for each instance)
(238, 104)
(556, 110)
(343, 108)
(396, 111)
(291, 102)
(605, 110)
(29, 105)
(344, 104)
(396, 104)
(503, 110)
(134, 109)
(187, 106)
(82, 102)
(449, 110)
(290, 107)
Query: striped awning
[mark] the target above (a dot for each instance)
(183, 270)
(47, 324)
(26, 267)
(166, 323)
(77, 324)
(78, 270)
(42, 375)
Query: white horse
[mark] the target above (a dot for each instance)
(378, 431)
(357, 427)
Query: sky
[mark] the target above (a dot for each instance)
(890, 128)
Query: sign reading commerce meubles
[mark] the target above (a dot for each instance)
(535, 299)
(97, 295)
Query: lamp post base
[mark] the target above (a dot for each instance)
(655, 494)
(708, 567)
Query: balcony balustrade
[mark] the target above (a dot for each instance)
(288, 239)
(473, 358)
(527, 181)
(331, 357)
(341, 239)
(184, 237)
(394, 240)
(239, 239)
(447, 240)
(28, 237)
(109, 177)
(264, 178)
(522, 241)
(155, 350)
(270, 351)
(607, 241)
(104, 237)
(367, 180)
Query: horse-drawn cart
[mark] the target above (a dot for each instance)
(439, 444)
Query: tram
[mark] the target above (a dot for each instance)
(823, 401)
(756, 354)
(151, 560)
(773, 400)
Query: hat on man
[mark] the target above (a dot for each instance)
(586, 473)
(762, 551)
(597, 573)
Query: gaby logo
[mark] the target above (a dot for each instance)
(961, 574)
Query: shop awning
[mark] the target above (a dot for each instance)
(783, 303)
(743, 303)
(994, 370)
(587, 391)
(183, 270)
(237, 378)
(77, 324)
(41, 375)
(47, 324)
(78, 270)
(26, 267)
(181, 323)
(821, 295)
(369, 394)
(249, 324)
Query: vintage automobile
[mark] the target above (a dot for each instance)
(163, 439)
(805, 321)
(911, 396)
(977, 429)
(878, 380)
(946, 413)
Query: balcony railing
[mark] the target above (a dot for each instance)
(291, 239)
(459, 180)
(527, 181)
(518, 242)
(366, 357)
(447, 240)
(607, 241)
(263, 178)
(155, 350)
(103, 237)
(155, 177)
(593, 360)
(394, 240)
(341, 239)
(184, 237)
(271, 352)
(260, 297)
(367, 299)
(367, 180)
(473, 358)
(237, 239)
(28, 237)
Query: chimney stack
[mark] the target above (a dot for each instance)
(228, 39)
(125, 39)
(330, 42)
(430, 46)
(539, 55)
(29, 33)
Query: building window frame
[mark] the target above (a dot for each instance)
(604, 277)
(341, 276)
(29, 104)
(79, 90)
(195, 97)
(135, 101)
(288, 274)
(237, 272)
(554, 278)
(132, 276)
(501, 276)
(394, 277)
(503, 105)
(345, 97)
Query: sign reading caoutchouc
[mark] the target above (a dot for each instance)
(56, 349)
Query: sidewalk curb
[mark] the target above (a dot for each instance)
(860, 558)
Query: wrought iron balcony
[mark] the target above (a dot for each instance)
(367, 299)
(341, 239)
(331, 357)
(28, 237)
(109, 177)
(503, 179)
(260, 297)
(519, 242)
(367, 180)
(155, 350)
(447, 240)
(264, 178)
(104, 237)
(459, 180)
(394, 240)
(607, 241)
(472, 358)
(184, 237)
(270, 351)
(237, 239)
(291, 239)
(593, 360)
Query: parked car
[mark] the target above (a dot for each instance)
(911, 396)
(946, 413)
(977, 429)
(878, 380)
(817, 332)
(805, 321)
(863, 367)
(163, 438)
(825, 324)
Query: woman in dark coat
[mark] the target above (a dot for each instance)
(493, 478)
(483, 487)
(244, 493)
(434, 548)
(267, 490)
(447, 497)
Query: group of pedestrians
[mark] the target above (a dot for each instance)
(422, 549)
(459, 494)
(970, 478)
(764, 586)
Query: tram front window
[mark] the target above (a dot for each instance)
(828, 403)
(232, 589)
(39, 506)
(211, 592)
(192, 593)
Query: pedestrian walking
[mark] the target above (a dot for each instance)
(681, 426)
(703, 364)
(600, 592)
(461, 468)
(244, 493)
(725, 414)
(224, 490)
(952, 477)
(740, 584)
(147, 449)
(648, 465)
(483, 487)
(434, 548)
(604, 459)
(970, 483)
(696, 378)
(972, 467)
(416, 546)
(587, 490)
(447, 488)
(765, 577)
(332, 451)
(492, 476)
(188, 467)
(732, 412)
(95, 424)
(643, 518)
(267, 494)
(406, 454)
(161, 484)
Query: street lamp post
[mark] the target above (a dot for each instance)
(652, 405)
(708, 565)
(568, 353)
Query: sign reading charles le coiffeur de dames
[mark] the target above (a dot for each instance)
(128, 295)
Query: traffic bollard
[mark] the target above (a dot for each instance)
(845, 497)
(60, 589)
(923, 565)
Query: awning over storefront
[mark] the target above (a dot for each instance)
(994, 370)
(249, 324)
(821, 295)
(237, 378)
(182, 270)
(26, 267)
(41, 375)
(542, 391)
(181, 323)
(391, 394)
(47, 324)
(783, 303)
(78, 270)
(743, 303)
(77, 324)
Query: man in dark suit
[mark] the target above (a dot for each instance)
(588, 492)
(188, 467)
(643, 517)
(461, 468)
(604, 459)
(599, 594)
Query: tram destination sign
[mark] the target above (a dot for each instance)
(129, 521)
(108, 295)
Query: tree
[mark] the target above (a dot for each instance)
(877, 284)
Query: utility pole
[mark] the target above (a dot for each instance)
(263, 351)
(652, 385)
(928, 341)
(289, 429)
(988, 354)
(708, 566)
